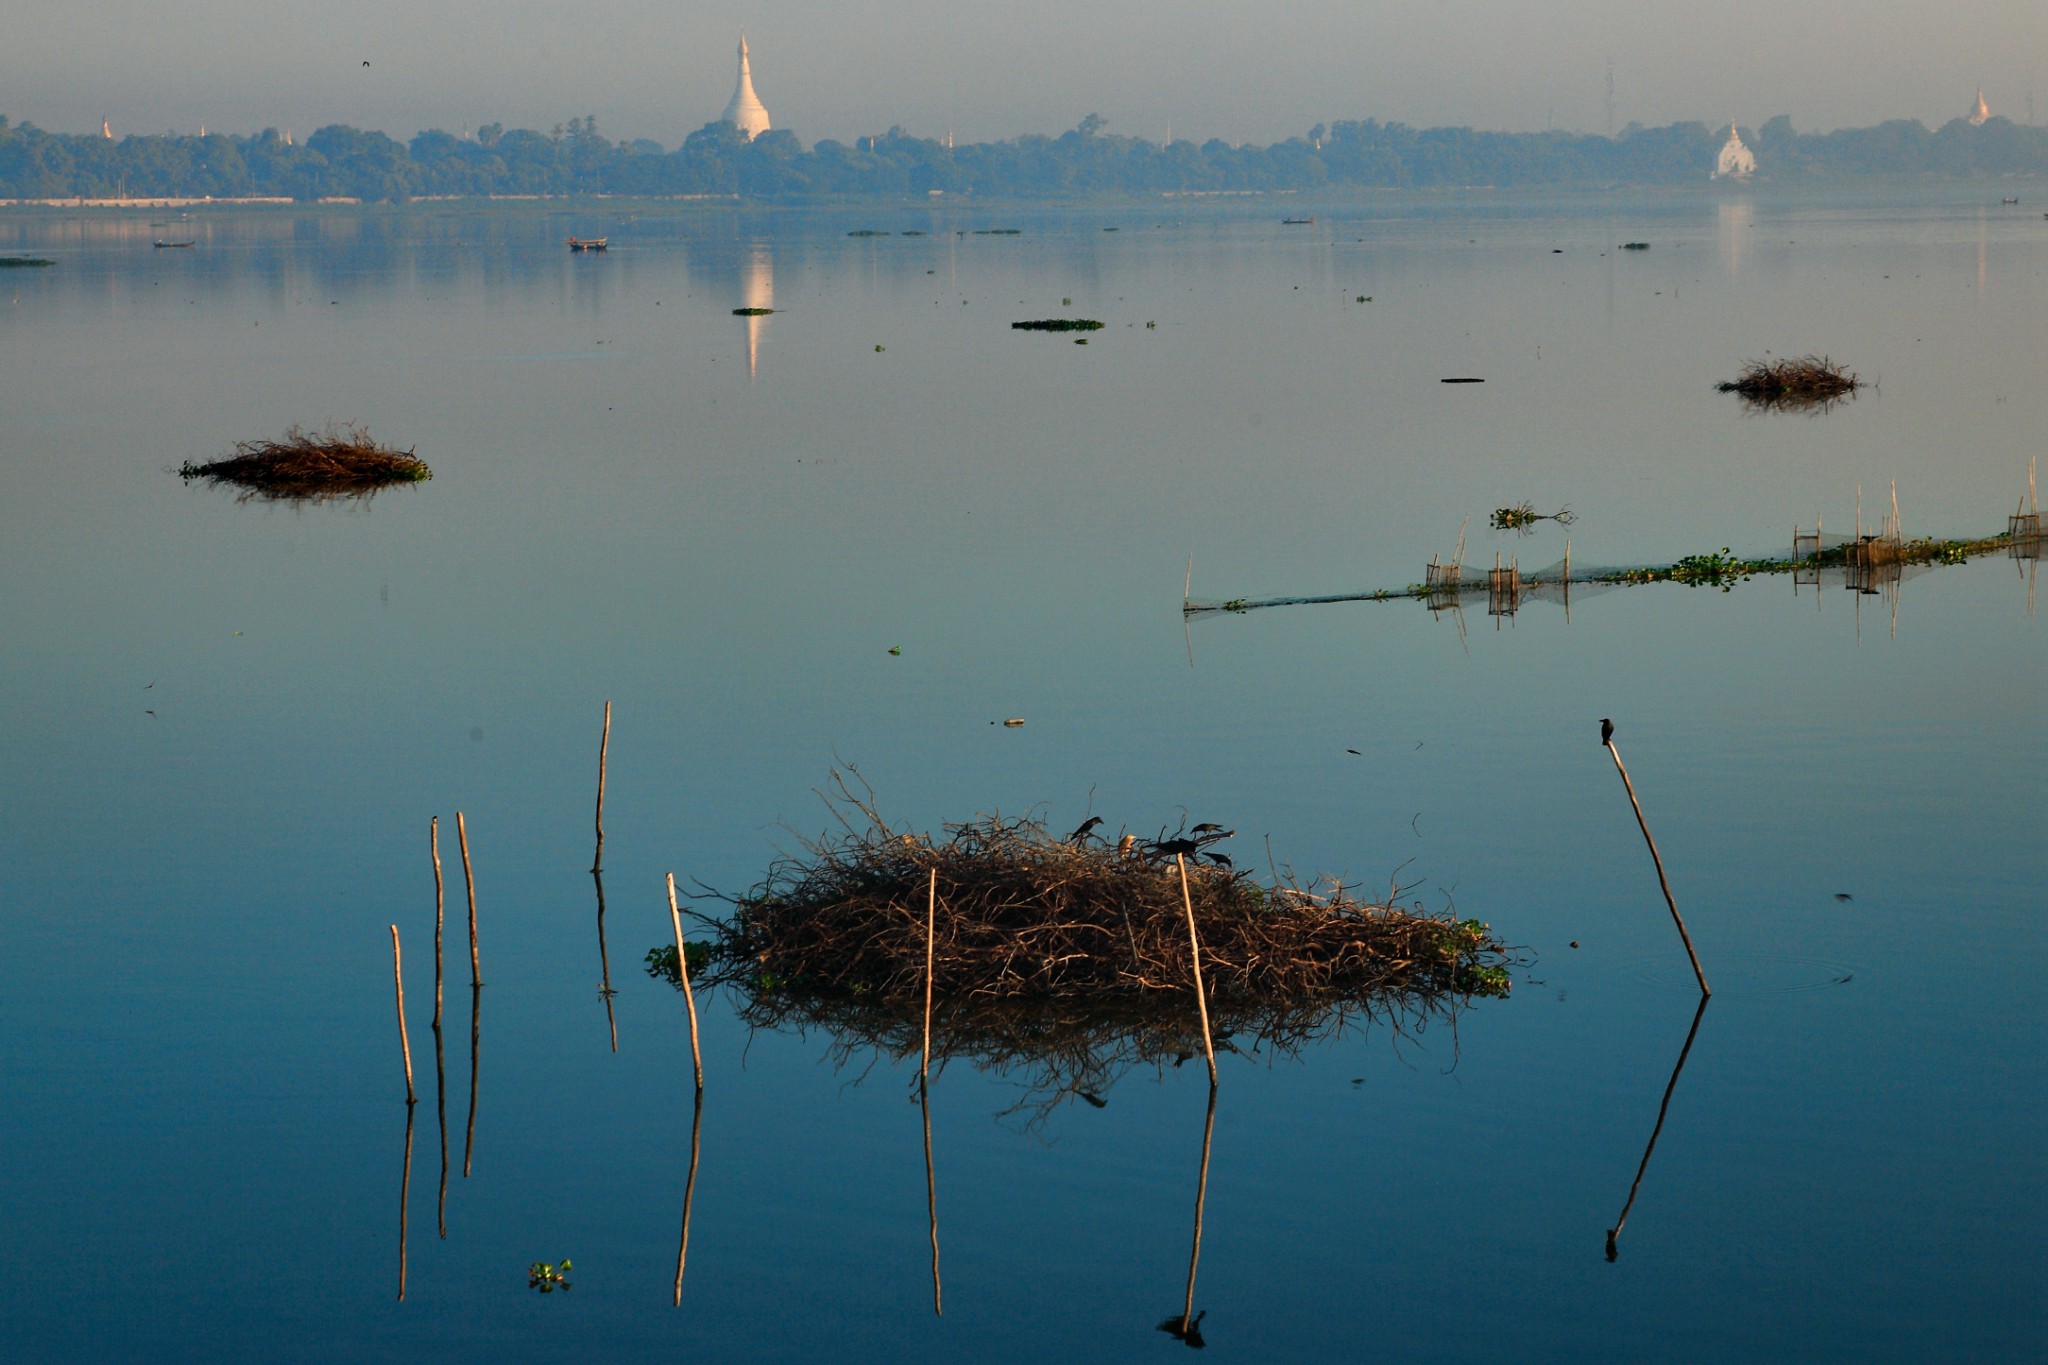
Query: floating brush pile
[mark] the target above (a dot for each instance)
(1809, 381)
(342, 461)
(1022, 915)
(1068, 959)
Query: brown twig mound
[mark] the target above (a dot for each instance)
(342, 461)
(1022, 914)
(1065, 962)
(1805, 382)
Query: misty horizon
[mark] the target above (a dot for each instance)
(1207, 72)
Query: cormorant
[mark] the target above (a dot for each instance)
(1086, 826)
(1606, 731)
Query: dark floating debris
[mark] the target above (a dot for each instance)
(1461, 379)
(867, 232)
(1523, 516)
(1635, 246)
(343, 461)
(1058, 325)
(752, 312)
(1807, 382)
(22, 262)
(163, 246)
(589, 243)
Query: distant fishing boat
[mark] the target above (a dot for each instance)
(161, 245)
(1297, 222)
(588, 243)
(2011, 201)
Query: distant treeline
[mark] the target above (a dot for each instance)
(343, 162)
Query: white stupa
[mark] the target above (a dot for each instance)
(1982, 113)
(746, 111)
(1737, 162)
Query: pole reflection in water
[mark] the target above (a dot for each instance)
(441, 1109)
(604, 961)
(931, 1197)
(689, 1193)
(476, 1006)
(1614, 1232)
(1188, 1326)
(404, 1191)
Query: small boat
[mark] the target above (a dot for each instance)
(1297, 222)
(2009, 201)
(162, 245)
(588, 243)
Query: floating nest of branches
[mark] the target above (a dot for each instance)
(342, 461)
(1068, 954)
(1807, 382)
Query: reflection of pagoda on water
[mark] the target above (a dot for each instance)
(757, 292)
(1736, 162)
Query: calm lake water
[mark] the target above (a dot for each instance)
(224, 727)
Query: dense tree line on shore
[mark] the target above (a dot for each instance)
(343, 162)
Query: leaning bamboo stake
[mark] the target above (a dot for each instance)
(434, 847)
(1676, 918)
(931, 1202)
(404, 1043)
(675, 915)
(1195, 957)
(931, 923)
(603, 748)
(476, 976)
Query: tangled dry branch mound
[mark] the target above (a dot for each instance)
(1805, 382)
(342, 461)
(1022, 914)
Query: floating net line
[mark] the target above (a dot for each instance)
(1870, 563)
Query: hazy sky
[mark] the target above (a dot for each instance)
(661, 68)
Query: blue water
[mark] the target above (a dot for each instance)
(224, 727)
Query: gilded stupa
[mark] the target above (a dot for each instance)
(746, 111)
(1982, 113)
(1736, 162)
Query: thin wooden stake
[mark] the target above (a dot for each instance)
(603, 748)
(434, 847)
(675, 915)
(931, 921)
(404, 1043)
(476, 976)
(1195, 956)
(1676, 918)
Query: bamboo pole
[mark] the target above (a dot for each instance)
(1195, 957)
(675, 915)
(603, 749)
(476, 976)
(931, 922)
(440, 899)
(689, 1192)
(404, 1043)
(1676, 918)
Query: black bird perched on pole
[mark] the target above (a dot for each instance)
(1087, 826)
(1606, 731)
(1167, 848)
